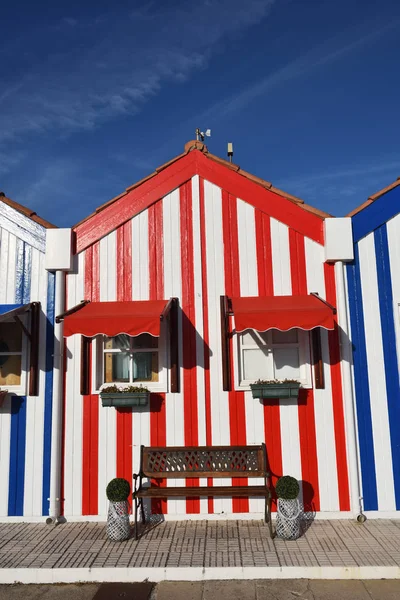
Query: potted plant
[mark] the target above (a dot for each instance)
(124, 395)
(289, 508)
(118, 526)
(275, 388)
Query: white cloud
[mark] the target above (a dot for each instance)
(132, 58)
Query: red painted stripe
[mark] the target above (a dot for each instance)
(307, 223)
(206, 334)
(272, 429)
(337, 395)
(273, 442)
(175, 175)
(264, 254)
(308, 443)
(190, 407)
(237, 412)
(158, 420)
(124, 292)
(90, 442)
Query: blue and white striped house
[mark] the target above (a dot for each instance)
(373, 280)
(26, 363)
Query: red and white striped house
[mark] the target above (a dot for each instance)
(196, 229)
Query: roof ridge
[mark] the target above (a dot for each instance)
(374, 197)
(27, 212)
(197, 145)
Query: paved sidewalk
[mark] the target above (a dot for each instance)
(210, 590)
(193, 550)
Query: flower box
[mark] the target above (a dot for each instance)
(125, 399)
(275, 390)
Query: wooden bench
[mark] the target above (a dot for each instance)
(182, 462)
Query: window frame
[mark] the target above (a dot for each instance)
(21, 388)
(163, 360)
(303, 345)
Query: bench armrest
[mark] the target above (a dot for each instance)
(137, 476)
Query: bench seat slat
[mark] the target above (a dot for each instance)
(181, 491)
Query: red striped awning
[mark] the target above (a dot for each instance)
(113, 318)
(282, 312)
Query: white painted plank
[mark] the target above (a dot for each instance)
(215, 289)
(198, 307)
(323, 402)
(107, 443)
(140, 257)
(174, 408)
(288, 410)
(393, 232)
(376, 374)
(254, 409)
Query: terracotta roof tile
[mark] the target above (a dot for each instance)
(26, 211)
(201, 147)
(374, 197)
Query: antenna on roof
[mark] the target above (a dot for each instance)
(200, 135)
(230, 151)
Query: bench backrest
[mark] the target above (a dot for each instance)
(204, 461)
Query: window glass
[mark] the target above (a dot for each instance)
(286, 363)
(10, 337)
(254, 364)
(116, 367)
(145, 341)
(128, 359)
(10, 354)
(284, 337)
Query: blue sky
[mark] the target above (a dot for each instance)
(94, 96)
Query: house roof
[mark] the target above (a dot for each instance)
(194, 145)
(27, 212)
(374, 197)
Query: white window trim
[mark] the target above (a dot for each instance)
(304, 360)
(21, 389)
(154, 386)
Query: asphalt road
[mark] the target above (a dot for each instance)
(211, 590)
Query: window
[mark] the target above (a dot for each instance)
(126, 359)
(273, 355)
(11, 352)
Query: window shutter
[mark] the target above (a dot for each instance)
(85, 365)
(225, 346)
(318, 365)
(34, 350)
(173, 340)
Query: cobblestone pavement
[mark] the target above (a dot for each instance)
(223, 590)
(200, 544)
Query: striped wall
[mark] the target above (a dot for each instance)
(373, 281)
(25, 422)
(197, 243)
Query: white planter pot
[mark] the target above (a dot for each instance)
(288, 519)
(118, 526)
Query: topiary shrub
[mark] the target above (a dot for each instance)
(287, 488)
(118, 490)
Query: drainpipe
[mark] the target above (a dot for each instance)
(353, 454)
(56, 426)
(58, 259)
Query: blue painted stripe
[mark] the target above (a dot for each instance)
(363, 400)
(7, 307)
(18, 404)
(376, 214)
(17, 457)
(389, 350)
(48, 398)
